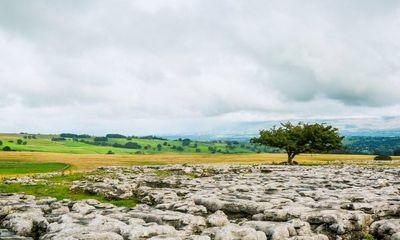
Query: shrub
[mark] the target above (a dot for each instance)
(132, 145)
(7, 149)
(1, 142)
(198, 150)
(186, 142)
(19, 141)
(180, 149)
(115, 135)
(100, 139)
(71, 135)
(383, 158)
(110, 152)
(395, 152)
(55, 139)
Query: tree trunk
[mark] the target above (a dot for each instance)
(290, 158)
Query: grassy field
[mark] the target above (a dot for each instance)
(17, 168)
(44, 143)
(87, 162)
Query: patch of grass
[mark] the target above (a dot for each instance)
(15, 168)
(368, 236)
(162, 173)
(60, 191)
(67, 178)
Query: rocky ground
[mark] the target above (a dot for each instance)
(216, 202)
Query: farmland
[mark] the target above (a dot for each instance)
(89, 145)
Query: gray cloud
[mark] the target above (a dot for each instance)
(148, 66)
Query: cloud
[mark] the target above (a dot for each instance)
(181, 66)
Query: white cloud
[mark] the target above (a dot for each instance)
(190, 66)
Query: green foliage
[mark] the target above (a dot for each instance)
(395, 152)
(133, 145)
(383, 158)
(159, 147)
(186, 142)
(58, 139)
(19, 141)
(300, 138)
(7, 149)
(110, 152)
(72, 135)
(375, 145)
(115, 135)
(1, 142)
(100, 139)
(368, 236)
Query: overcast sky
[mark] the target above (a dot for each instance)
(170, 66)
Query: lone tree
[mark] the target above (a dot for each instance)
(300, 138)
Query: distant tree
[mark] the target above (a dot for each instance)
(100, 139)
(300, 138)
(7, 148)
(180, 149)
(132, 145)
(395, 152)
(198, 150)
(19, 141)
(186, 142)
(1, 142)
(56, 139)
(115, 135)
(159, 147)
(24, 142)
(195, 145)
(212, 149)
(165, 143)
(383, 158)
(72, 135)
(110, 152)
(173, 147)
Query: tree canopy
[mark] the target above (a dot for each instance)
(300, 138)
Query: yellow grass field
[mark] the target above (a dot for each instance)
(87, 162)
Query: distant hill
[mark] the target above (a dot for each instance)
(119, 144)
(216, 144)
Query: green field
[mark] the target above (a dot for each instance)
(44, 143)
(11, 168)
(58, 187)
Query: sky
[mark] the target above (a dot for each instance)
(197, 66)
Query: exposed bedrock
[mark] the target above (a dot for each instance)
(216, 202)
